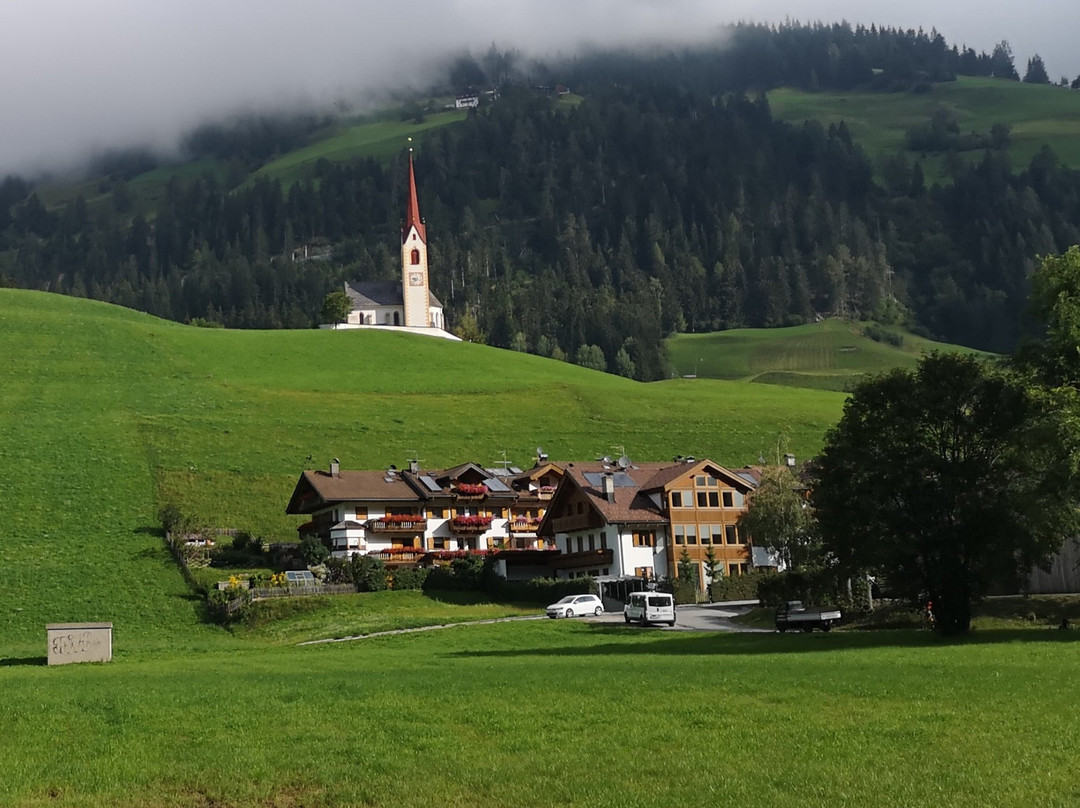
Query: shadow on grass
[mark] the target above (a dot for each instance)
(675, 643)
(30, 660)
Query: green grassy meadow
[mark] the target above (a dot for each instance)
(830, 355)
(1038, 114)
(555, 713)
(106, 415)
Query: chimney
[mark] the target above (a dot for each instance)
(414, 466)
(609, 488)
(789, 461)
(335, 468)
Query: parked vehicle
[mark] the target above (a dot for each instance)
(796, 617)
(576, 605)
(650, 607)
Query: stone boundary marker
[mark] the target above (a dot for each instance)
(79, 642)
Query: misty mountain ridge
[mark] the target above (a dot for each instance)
(669, 200)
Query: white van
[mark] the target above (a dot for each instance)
(650, 607)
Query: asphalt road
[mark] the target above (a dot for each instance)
(693, 618)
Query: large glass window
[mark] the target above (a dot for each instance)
(732, 534)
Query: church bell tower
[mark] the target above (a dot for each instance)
(414, 261)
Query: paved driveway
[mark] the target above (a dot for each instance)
(694, 618)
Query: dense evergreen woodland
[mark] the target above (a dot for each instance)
(668, 200)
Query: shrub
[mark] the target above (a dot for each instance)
(819, 587)
(313, 551)
(338, 571)
(171, 518)
(540, 591)
(879, 333)
(369, 574)
(228, 605)
(406, 578)
(739, 587)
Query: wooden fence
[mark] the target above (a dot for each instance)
(264, 592)
(1062, 577)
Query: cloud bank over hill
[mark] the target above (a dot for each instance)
(77, 77)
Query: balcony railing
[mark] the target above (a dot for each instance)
(397, 524)
(524, 525)
(470, 491)
(471, 524)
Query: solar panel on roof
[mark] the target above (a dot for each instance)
(620, 478)
(497, 485)
(746, 476)
(429, 483)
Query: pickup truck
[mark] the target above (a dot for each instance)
(794, 616)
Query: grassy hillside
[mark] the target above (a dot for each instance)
(830, 355)
(556, 713)
(378, 139)
(107, 414)
(1038, 114)
(381, 138)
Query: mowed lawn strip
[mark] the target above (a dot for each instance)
(545, 713)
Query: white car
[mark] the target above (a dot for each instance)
(575, 606)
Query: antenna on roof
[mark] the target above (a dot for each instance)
(504, 462)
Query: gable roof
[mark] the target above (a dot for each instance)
(665, 476)
(631, 503)
(316, 489)
(367, 294)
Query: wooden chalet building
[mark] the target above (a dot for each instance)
(415, 515)
(622, 522)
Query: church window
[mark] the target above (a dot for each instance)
(415, 259)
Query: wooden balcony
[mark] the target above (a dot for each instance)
(470, 524)
(568, 524)
(397, 525)
(464, 491)
(524, 525)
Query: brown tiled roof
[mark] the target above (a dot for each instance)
(348, 486)
(630, 505)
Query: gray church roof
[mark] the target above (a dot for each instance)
(365, 294)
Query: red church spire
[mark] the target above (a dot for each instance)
(412, 214)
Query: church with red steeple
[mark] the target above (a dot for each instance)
(408, 304)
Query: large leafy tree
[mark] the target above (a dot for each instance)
(948, 479)
(779, 518)
(1055, 304)
(335, 308)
